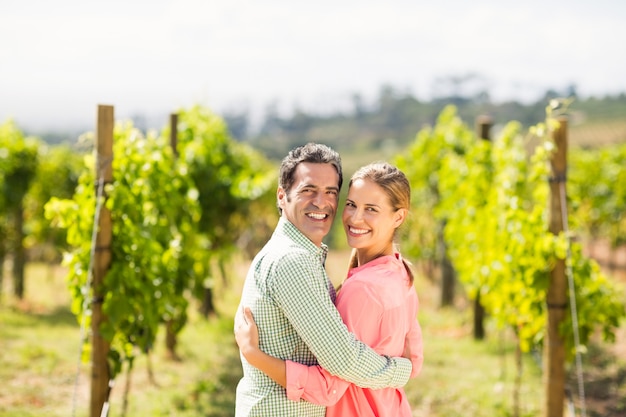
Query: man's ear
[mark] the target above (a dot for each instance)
(281, 197)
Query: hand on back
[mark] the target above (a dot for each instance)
(246, 331)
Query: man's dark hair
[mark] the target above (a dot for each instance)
(316, 153)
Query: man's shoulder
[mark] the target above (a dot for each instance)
(286, 253)
(285, 263)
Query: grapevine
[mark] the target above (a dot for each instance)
(494, 200)
(154, 207)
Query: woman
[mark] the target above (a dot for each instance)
(377, 302)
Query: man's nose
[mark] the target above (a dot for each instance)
(321, 200)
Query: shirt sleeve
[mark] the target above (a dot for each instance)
(365, 319)
(303, 296)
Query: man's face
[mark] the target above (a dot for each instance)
(311, 204)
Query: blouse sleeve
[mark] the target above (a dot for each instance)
(416, 345)
(314, 384)
(363, 318)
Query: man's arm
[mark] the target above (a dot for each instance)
(313, 383)
(305, 301)
(364, 310)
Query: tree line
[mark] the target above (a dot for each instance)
(396, 115)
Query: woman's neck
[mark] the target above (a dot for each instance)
(367, 255)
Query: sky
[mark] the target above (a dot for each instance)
(60, 59)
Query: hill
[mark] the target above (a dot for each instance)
(395, 118)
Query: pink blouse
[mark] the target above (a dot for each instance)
(378, 304)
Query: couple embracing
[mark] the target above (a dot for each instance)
(307, 350)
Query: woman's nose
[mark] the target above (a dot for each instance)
(356, 215)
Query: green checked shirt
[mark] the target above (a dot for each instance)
(292, 301)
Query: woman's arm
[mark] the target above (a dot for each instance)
(247, 336)
(322, 387)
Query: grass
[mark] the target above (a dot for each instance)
(41, 374)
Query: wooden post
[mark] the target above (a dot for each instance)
(174, 133)
(448, 279)
(170, 335)
(483, 127)
(19, 256)
(100, 373)
(554, 347)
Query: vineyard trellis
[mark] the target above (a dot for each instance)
(172, 212)
(494, 197)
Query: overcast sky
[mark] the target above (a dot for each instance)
(59, 59)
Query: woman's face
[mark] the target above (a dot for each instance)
(369, 220)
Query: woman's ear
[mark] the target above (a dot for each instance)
(400, 216)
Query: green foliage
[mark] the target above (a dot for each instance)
(18, 167)
(57, 176)
(171, 216)
(227, 174)
(422, 163)
(18, 164)
(233, 182)
(153, 208)
(598, 189)
(494, 200)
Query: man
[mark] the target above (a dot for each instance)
(292, 298)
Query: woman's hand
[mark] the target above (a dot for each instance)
(247, 336)
(246, 332)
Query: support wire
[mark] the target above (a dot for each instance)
(572, 297)
(87, 298)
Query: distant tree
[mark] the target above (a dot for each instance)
(238, 122)
(459, 89)
(396, 115)
(140, 121)
(571, 91)
(391, 106)
(358, 105)
(299, 123)
(271, 120)
(18, 162)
